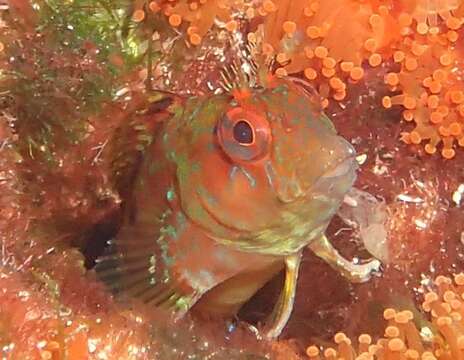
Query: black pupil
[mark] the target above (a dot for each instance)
(243, 133)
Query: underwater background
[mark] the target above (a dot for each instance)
(388, 73)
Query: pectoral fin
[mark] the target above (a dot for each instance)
(128, 275)
(284, 305)
(353, 272)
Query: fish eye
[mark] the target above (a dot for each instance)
(244, 135)
(243, 132)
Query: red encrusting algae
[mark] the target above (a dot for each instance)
(36, 324)
(35, 265)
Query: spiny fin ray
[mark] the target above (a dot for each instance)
(128, 273)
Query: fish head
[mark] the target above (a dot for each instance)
(260, 169)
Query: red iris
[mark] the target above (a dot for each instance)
(244, 135)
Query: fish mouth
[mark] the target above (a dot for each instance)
(342, 168)
(343, 173)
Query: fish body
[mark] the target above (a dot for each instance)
(230, 186)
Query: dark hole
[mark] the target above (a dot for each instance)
(160, 105)
(243, 133)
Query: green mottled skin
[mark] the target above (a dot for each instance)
(200, 224)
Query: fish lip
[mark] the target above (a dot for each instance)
(347, 165)
(343, 167)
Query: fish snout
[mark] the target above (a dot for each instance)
(344, 167)
(329, 164)
(338, 180)
(339, 173)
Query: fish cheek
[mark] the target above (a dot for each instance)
(295, 157)
(236, 196)
(322, 150)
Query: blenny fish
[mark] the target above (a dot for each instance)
(229, 190)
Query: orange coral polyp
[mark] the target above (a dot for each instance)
(357, 73)
(370, 45)
(398, 56)
(375, 60)
(310, 73)
(232, 25)
(339, 95)
(392, 79)
(175, 20)
(269, 6)
(408, 115)
(154, 6)
(138, 15)
(409, 102)
(457, 96)
(436, 117)
(329, 62)
(195, 39)
(313, 353)
(289, 27)
(415, 137)
(410, 64)
(313, 32)
(328, 73)
(321, 52)
(448, 153)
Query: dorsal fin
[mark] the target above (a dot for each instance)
(247, 65)
(131, 139)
